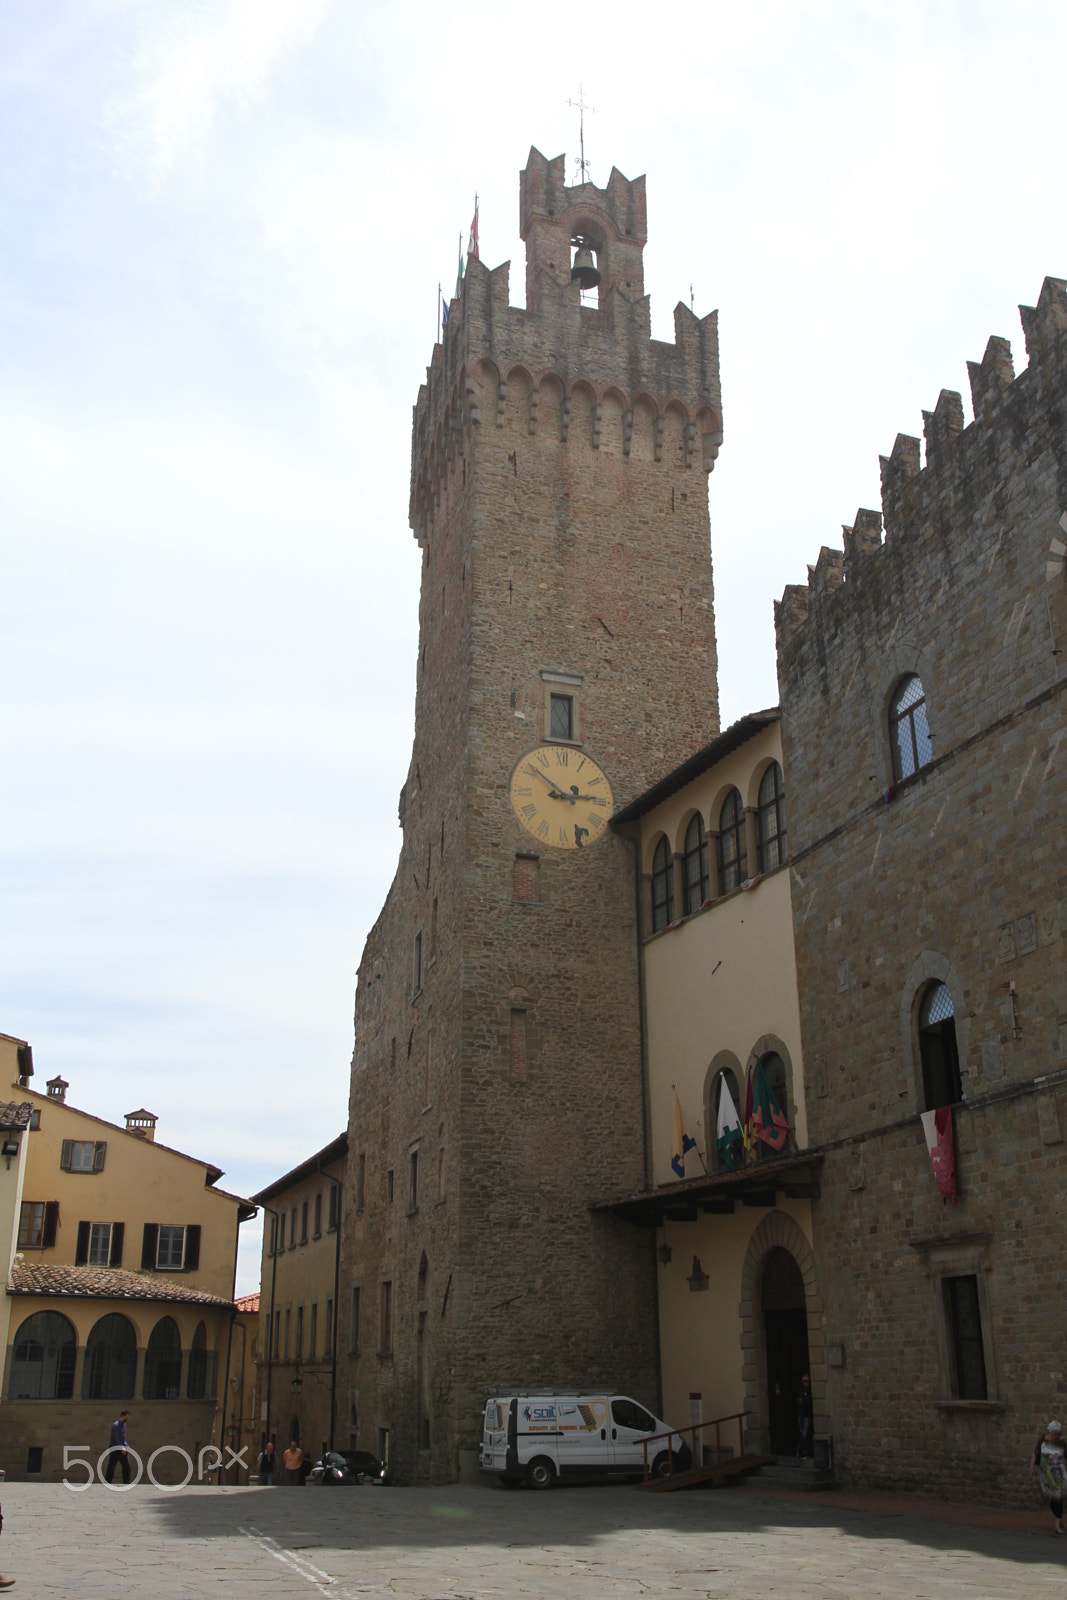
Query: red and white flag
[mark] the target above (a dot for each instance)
(937, 1126)
(472, 242)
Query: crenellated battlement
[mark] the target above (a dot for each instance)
(591, 363)
(942, 497)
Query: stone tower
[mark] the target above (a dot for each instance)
(558, 495)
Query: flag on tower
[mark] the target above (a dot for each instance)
(472, 242)
(728, 1132)
(682, 1141)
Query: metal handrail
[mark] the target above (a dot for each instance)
(693, 1430)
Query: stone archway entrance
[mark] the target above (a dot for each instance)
(785, 1332)
(773, 1348)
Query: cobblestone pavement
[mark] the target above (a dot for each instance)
(583, 1543)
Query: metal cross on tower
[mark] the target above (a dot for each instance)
(581, 165)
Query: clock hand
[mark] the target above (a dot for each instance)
(574, 797)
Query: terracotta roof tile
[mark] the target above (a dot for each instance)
(103, 1283)
(14, 1114)
(247, 1302)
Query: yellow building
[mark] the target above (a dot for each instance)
(298, 1298)
(121, 1290)
(738, 1308)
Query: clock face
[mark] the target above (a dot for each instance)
(561, 797)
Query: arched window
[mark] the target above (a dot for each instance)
(773, 848)
(937, 1048)
(110, 1360)
(662, 886)
(774, 1069)
(909, 731)
(42, 1361)
(726, 1081)
(697, 882)
(163, 1362)
(196, 1388)
(732, 864)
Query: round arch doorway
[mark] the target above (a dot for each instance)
(785, 1326)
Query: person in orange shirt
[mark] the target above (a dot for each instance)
(292, 1460)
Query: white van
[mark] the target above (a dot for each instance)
(540, 1437)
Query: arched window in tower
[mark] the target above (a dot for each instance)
(773, 846)
(731, 849)
(662, 886)
(697, 882)
(777, 1080)
(909, 731)
(937, 1048)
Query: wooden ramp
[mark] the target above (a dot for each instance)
(731, 1467)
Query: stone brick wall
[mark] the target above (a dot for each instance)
(559, 496)
(957, 875)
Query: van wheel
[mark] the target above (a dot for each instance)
(661, 1466)
(540, 1474)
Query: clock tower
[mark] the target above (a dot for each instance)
(566, 661)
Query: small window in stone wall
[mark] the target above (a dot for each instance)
(526, 880)
(416, 965)
(963, 1320)
(938, 1050)
(909, 730)
(517, 1047)
(561, 717)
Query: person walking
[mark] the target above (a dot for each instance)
(117, 1453)
(805, 1420)
(5, 1583)
(1049, 1461)
(266, 1463)
(292, 1460)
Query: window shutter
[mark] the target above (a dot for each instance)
(98, 1155)
(66, 1155)
(149, 1245)
(81, 1254)
(51, 1223)
(117, 1231)
(192, 1247)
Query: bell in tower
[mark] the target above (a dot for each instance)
(584, 270)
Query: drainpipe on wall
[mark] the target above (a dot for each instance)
(225, 1395)
(336, 1286)
(635, 844)
(265, 1432)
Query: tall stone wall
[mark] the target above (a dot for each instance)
(559, 497)
(958, 874)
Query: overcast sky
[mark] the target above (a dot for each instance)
(222, 227)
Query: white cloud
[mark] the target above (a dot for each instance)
(193, 57)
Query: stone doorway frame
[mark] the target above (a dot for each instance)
(777, 1230)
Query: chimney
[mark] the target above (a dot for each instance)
(142, 1124)
(25, 1065)
(57, 1089)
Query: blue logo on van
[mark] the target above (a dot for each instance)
(539, 1413)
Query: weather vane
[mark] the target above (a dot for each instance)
(581, 165)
